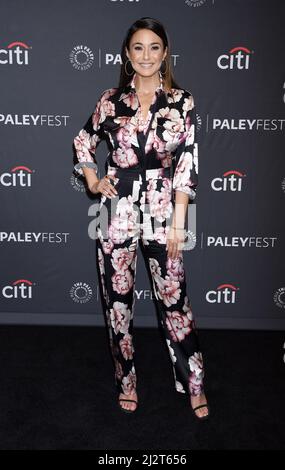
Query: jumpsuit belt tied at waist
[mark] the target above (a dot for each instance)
(139, 173)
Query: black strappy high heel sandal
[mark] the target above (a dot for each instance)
(124, 409)
(201, 406)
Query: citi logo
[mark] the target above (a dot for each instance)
(237, 58)
(230, 181)
(16, 53)
(20, 289)
(224, 294)
(19, 176)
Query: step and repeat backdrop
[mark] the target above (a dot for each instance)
(56, 58)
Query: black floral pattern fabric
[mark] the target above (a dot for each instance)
(170, 131)
(140, 158)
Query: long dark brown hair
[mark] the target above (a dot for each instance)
(156, 26)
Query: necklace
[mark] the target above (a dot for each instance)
(140, 120)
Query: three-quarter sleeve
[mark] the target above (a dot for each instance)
(88, 139)
(185, 177)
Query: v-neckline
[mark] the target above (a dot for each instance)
(140, 107)
(147, 122)
(148, 119)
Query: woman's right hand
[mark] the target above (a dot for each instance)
(104, 186)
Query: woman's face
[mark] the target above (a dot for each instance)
(146, 52)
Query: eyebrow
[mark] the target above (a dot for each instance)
(150, 43)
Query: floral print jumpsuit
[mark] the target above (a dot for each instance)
(140, 159)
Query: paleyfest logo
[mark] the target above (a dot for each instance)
(82, 58)
(15, 53)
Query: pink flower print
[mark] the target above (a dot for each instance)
(126, 345)
(128, 211)
(109, 92)
(167, 183)
(96, 117)
(187, 309)
(162, 112)
(176, 95)
(124, 224)
(171, 351)
(125, 207)
(151, 186)
(157, 280)
(150, 141)
(154, 267)
(178, 325)
(102, 272)
(117, 231)
(174, 116)
(172, 128)
(121, 259)
(83, 144)
(160, 204)
(120, 317)
(146, 228)
(130, 100)
(101, 261)
(122, 120)
(172, 144)
(122, 282)
(107, 108)
(159, 146)
(125, 158)
(188, 104)
(168, 291)
(124, 135)
(142, 204)
(197, 373)
(129, 382)
(175, 126)
(195, 384)
(196, 363)
(134, 260)
(175, 269)
(107, 246)
(165, 159)
(160, 235)
(182, 171)
(190, 133)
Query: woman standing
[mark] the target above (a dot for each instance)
(146, 120)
